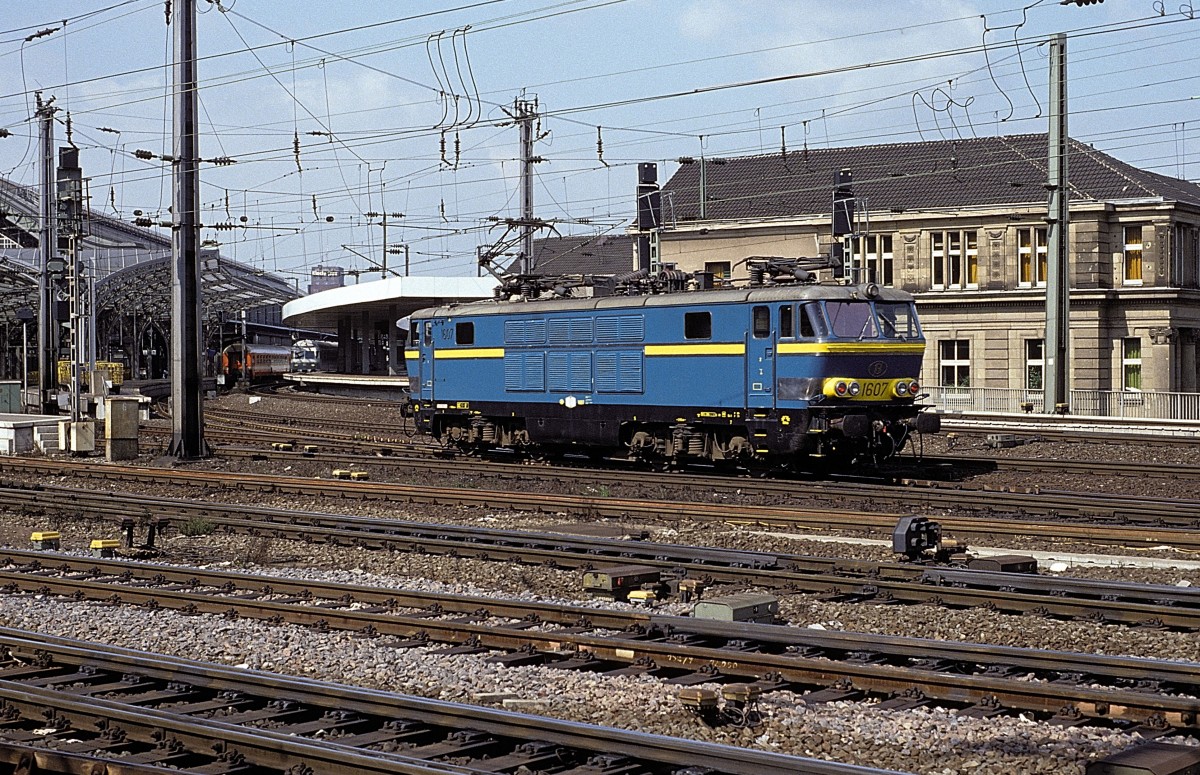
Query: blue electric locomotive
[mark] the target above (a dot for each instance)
(757, 376)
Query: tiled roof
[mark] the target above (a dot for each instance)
(607, 254)
(978, 172)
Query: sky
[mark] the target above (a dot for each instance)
(403, 108)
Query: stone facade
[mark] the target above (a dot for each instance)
(977, 275)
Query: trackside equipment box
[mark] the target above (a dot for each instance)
(618, 581)
(746, 607)
(1154, 758)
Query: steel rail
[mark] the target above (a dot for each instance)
(630, 509)
(368, 447)
(408, 717)
(948, 673)
(1088, 467)
(846, 580)
(354, 430)
(292, 392)
(981, 424)
(923, 494)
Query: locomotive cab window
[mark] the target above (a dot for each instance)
(851, 319)
(697, 325)
(897, 320)
(812, 321)
(786, 328)
(428, 333)
(762, 322)
(464, 333)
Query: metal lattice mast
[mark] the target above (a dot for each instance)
(525, 111)
(187, 418)
(48, 248)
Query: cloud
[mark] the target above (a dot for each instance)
(707, 19)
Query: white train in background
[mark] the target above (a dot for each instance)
(314, 355)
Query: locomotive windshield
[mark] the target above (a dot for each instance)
(897, 320)
(872, 320)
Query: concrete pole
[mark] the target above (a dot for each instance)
(187, 416)
(1058, 281)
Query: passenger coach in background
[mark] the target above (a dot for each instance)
(254, 362)
(780, 374)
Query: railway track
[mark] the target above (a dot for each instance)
(134, 711)
(1152, 695)
(881, 494)
(289, 392)
(1082, 430)
(1077, 517)
(835, 579)
(969, 464)
(931, 470)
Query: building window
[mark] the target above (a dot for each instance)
(720, 270)
(1133, 255)
(464, 333)
(937, 242)
(954, 259)
(955, 362)
(697, 325)
(1031, 254)
(1131, 364)
(875, 254)
(1035, 364)
(1184, 243)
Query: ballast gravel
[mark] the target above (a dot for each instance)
(934, 741)
(925, 741)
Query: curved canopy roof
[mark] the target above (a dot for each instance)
(394, 297)
(226, 287)
(132, 264)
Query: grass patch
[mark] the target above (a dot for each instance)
(197, 526)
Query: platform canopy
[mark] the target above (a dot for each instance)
(18, 287)
(391, 299)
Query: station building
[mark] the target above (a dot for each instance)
(961, 224)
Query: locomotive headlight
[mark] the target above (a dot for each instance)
(840, 388)
(914, 387)
(855, 388)
(902, 389)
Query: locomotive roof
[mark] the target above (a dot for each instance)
(768, 294)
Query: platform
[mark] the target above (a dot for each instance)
(17, 431)
(380, 386)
